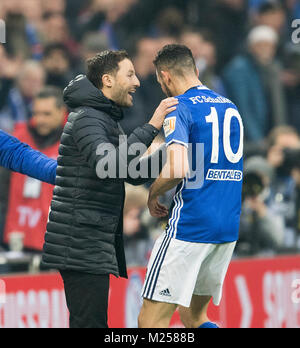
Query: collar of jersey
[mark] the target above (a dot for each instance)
(198, 87)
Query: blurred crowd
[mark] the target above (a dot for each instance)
(243, 49)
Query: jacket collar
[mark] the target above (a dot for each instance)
(81, 92)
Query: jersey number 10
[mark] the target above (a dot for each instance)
(213, 118)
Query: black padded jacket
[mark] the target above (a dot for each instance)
(85, 228)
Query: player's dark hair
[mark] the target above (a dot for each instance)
(52, 92)
(106, 62)
(178, 58)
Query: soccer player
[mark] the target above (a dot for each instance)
(190, 259)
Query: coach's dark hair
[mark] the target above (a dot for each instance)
(52, 92)
(106, 62)
(175, 57)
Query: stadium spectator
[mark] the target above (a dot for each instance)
(261, 229)
(146, 49)
(18, 104)
(28, 200)
(55, 30)
(204, 50)
(254, 4)
(282, 156)
(57, 65)
(272, 14)
(33, 12)
(291, 80)
(143, 16)
(169, 22)
(93, 43)
(105, 16)
(252, 81)
(22, 38)
(54, 6)
(228, 20)
(294, 8)
(9, 68)
(296, 177)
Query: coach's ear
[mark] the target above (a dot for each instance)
(107, 81)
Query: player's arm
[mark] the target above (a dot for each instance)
(174, 171)
(21, 158)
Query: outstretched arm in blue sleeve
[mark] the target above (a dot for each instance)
(21, 158)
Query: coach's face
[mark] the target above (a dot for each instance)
(124, 84)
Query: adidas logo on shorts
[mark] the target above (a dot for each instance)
(165, 292)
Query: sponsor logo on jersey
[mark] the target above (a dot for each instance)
(169, 126)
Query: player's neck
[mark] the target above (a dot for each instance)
(181, 86)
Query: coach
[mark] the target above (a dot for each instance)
(84, 235)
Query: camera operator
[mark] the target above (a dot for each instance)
(261, 230)
(283, 156)
(293, 159)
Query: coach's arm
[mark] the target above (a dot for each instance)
(174, 171)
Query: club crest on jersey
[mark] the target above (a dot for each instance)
(169, 126)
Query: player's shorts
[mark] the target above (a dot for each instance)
(177, 270)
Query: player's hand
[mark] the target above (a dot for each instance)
(165, 107)
(157, 209)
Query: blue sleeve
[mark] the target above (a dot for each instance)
(21, 158)
(177, 126)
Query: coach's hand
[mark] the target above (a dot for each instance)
(165, 107)
(157, 209)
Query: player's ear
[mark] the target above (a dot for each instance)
(166, 77)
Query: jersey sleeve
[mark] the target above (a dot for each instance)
(177, 126)
(21, 158)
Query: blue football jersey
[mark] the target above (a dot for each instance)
(207, 205)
